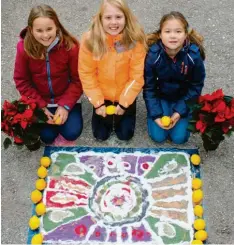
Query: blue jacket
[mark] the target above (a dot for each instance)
(175, 80)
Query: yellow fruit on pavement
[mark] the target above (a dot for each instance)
(58, 120)
(37, 239)
(40, 184)
(36, 196)
(45, 162)
(195, 159)
(42, 172)
(196, 183)
(166, 121)
(40, 208)
(194, 242)
(110, 110)
(199, 224)
(198, 210)
(201, 235)
(197, 196)
(34, 222)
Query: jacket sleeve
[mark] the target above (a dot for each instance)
(87, 67)
(153, 104)
(136, 81)
(195, 86)
(22, 76)
(74, 90)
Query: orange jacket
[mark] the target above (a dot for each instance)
(117, 76)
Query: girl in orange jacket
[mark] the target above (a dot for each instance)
(111, 64)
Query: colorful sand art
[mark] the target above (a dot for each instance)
(119, 198)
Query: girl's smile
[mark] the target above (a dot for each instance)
(44, 30)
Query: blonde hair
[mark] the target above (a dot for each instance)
(132, 31)
(192, 35)
(32, 47)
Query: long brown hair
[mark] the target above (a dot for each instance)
(192, 35)
(96, 43)
(32, 47)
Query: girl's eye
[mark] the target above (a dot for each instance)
(49, 29)
(108, 18)
(39, 31)
(119, 17)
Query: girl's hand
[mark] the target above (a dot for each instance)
(49, 115)
(101, 111)
(174, 119)
(159, 122)
(119, 111)
(62, 113)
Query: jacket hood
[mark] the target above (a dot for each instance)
(23, 32)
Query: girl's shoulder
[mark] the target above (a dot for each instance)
(194, 52)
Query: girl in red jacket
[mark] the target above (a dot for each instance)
(46, 70)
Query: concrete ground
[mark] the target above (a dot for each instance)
(212, 18)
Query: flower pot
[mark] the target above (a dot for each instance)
(34, 146)
(210, 145)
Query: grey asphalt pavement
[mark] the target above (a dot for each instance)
(212, 18)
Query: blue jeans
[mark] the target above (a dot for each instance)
(178, 134)
(70, 130)
(124, 126)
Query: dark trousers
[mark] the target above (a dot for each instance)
(70, 130)
(123, 125)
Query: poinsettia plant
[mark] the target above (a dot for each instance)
(212, 117)
(21, 120)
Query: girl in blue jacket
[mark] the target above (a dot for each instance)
(174, 73)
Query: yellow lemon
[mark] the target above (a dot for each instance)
(42, 172)
(110, 110)
(58, 120)
(37, 239)
(196, 183)
(45, 162)
(34, 222)
(195, 159)
(40, 208)
(40, 184)
(198, 210)
(201, 235)
(36, 196)
(197, 196)
(199, 224)
(166, 121)
(194, 242)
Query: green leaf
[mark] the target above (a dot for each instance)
(192, 128)
(227, 98)
(6, 143)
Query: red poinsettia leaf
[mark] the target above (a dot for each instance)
(220, 117)
(33, 106)
(231, 121)
(17, 140)
(225, 127)
(24, 124)
(201, 126)
(28, 114)
(218, 94)
(207, 107)
(219, 106)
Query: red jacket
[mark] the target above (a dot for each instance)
(53, 80)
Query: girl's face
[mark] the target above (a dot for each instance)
(113, 20)
(173, 35)
(44, 30)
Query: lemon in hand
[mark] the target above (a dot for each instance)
(34, 222)
(36, 196)
(199, 224)
(58, 120)
(110, 110)
(195, 159)
(45, 162)
(37, 239)
(196, 183)
(198, 211)
(166, 121)
(40, 208)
